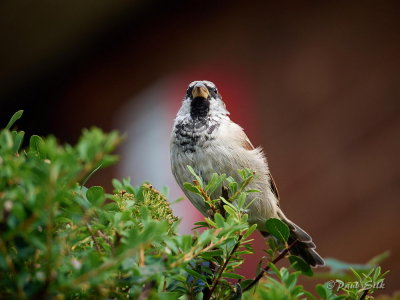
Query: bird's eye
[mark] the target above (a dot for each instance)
(215, 91)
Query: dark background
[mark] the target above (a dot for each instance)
(318, 83)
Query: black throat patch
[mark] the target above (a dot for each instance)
(199, 108)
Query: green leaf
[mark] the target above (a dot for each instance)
(356, 274)
(300, 265)
(243, 173)
(232, 275)
(201, 223)
(219, 219)
(376, 273)
(185, 242)
(168, 295)
(253, 191)
(214, 183)
(18, 138)
(14, 118)
(290, 280)
(275, 270)
(278, 229)
(228, 203)
(191, 188)
(233, 186)
(118, 186)
(210, 222)
(64, 220)
(196, 274)
(321, 290)
(249, 231)
(241, 200)
(212, 253)
(244, 252)
(198, 178)
(229, 210)
(35, 142)
(307, 294)
(95, 195)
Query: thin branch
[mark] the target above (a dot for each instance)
(364, 294)
(213, 208)
(141, 256)
(206, 290)
(203, 192)
(225, 195)
(264, 270)
(147, 289)
(192, 255)
(93, 238)
(221, 270)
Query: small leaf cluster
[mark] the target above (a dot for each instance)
(228, 219)
(233, 203)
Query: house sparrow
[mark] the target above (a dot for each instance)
(205, 138)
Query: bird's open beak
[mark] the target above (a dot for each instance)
(200, 91)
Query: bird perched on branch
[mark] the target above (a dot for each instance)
(205, 138)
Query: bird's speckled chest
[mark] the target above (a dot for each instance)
(192, 134)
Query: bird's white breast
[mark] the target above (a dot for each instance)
(222, 152)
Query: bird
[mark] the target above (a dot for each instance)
(205, 138)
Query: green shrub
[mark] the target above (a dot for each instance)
(60, 239)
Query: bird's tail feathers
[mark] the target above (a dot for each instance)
(304, 247)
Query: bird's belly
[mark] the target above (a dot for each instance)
(222, 160)
(206, 161)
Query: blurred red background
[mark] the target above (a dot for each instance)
(317, 86)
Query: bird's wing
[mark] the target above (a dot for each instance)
(245, 141)
(274, 189)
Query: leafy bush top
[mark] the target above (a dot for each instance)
(60, 239)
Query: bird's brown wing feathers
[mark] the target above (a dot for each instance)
(249, 146)
(246, 142)
(274, 189)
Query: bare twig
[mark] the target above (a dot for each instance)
(225, 195)
(93, 238)
(278, 258)
(221, 270)
(207, 290)
(203, 192)
(364, 294)
(148, 287)
(141, 256)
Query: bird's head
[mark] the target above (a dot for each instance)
(202, 100)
